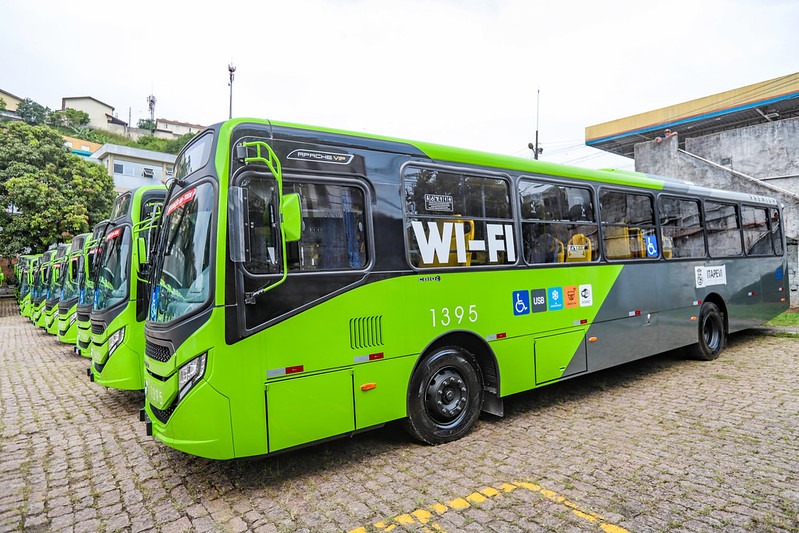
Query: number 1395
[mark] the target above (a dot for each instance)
(457, 315)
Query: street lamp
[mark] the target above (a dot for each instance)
(231, 68)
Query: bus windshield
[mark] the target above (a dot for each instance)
(70, 283)
(114, 269)
(182, 280)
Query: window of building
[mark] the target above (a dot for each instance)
(628, 225)
(681, 228)
(147, 172)
(457, 219)
(558, 223)
(119, 168)
(723, 229)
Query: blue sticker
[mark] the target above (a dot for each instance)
(555, 296)
(521, 303)
(651, 246)
(154, 303)
(779, 273)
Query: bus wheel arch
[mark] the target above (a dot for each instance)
(448, 386)
(712, 329)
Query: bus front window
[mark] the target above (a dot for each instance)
(182, 280)
(113, 270)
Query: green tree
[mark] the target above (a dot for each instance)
(2, 105)
(47, 194)
(149, 142)
(176, 145)
(32, 112)
(71, 118)
(146, 124)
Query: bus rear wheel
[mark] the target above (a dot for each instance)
(445, 396)
(711, 339)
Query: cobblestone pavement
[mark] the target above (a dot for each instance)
(660, 444)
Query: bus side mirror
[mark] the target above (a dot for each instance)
(292, 217)
(141, 249)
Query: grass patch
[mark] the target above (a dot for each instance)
(786, 319)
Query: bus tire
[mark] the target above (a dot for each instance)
(445, 396)
(711, 339)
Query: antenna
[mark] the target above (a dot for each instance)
(151, 104)
(534, 147)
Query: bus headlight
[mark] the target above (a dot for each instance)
(190, 374)
(115, 340)
(73, 318)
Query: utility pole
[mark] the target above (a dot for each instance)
(231, 68)
(534, 147)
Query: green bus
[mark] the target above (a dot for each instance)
(38, 286)
(83, 323)
(25, 270)
(70, 275)
(121, 293)
(45, 282)
(313, 283)
(54, 289)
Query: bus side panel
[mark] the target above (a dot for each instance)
(381, 389)
(516, 368)
(559, 356)
(310, 408)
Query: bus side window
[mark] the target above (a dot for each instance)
(627, 220)
(681, 228)
(333, 228)
(558, 223)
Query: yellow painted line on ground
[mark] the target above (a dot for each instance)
(424, 517)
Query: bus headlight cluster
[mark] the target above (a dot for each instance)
(73, 318)
(115, 340)
(190, 374)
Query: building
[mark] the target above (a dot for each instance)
(81, 147)
(744, 139)
(11, 100)
(135, 167)
(178, 129)
(101, 115)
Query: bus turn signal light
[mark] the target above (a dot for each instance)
(368, 386)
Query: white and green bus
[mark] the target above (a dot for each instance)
(312, 283)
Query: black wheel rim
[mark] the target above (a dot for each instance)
(446, 396)
(711, 333)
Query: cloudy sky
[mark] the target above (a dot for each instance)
(457, 72)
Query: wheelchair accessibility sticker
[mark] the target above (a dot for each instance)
(651, 246)
(521, 303)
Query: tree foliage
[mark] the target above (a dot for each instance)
(32, 112)
(71, 118)
(47, 194)
(2, 105)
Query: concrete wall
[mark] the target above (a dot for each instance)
(730, 160)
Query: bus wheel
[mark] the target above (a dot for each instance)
(445, 396)
(711, 334)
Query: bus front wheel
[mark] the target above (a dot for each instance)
(711, 338)
(445, 396)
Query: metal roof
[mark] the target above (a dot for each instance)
(767, 101)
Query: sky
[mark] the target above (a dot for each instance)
(483, 75)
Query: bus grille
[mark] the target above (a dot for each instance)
(83, 345)
(366, 332)
(84, 317)
(157, 352)
(97, 329)
(49, 306)
(163, 416)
